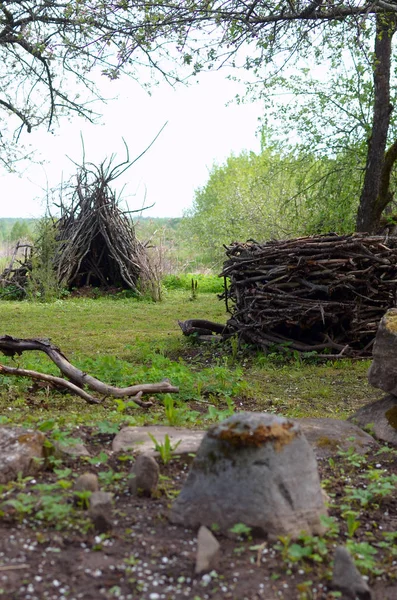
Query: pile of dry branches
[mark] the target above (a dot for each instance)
(323, 293)
(95, 242)
(15, 274)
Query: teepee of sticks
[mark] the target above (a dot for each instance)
(95, 240)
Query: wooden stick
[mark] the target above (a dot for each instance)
(11, 346)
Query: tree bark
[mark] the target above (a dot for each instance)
(374, 198)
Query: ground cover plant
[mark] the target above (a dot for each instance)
(48, 547)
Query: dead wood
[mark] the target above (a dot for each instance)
(95, 241)
(77, 379)
(322, 294)
(203, 327)
(53, 381)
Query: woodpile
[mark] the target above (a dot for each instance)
(94, 240)
(13, 279)
(323, 294)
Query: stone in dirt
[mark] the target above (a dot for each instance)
(143, 476)
(68, 451)
(383, 370)
(257, 469)
(380, 417)
(347, 579)
(21, 451)
(101, 509)
(208, 550)
(327, 436)
(138, 439)
(87, 482)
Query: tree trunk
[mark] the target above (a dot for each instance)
(374, 198)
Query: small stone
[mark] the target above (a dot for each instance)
(347, 579)
(380, 417)
(144, 476)
(21, 452)
(87, 482)
(101, 508)
(208, 550)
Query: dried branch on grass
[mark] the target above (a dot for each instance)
(77, 380)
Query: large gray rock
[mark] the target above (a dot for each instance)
(257, 469)
(328, 436)
(380, 417)
(383, 371)
(20, 451)
(68, 452)
(138, 439)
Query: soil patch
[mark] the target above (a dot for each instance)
(56, 553)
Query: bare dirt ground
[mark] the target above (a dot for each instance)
(56, 554)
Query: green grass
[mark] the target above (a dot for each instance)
(126, 341)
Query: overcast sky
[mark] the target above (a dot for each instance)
(201, 130)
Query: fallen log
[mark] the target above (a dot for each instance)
(202, 327)
(76, 379)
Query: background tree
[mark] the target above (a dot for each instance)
(20, 230)
(268, 196)
(50, 48)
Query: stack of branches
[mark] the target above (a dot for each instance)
(322, 293)
(96, 240)
(13, 278)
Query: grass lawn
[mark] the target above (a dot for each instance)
(125, 341)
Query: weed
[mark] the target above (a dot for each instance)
(352, 457)
(364, 556)
(306, 547)
(194, 292)
(106, 427)
(305, 590)
(171, 412)
(108, 478)
(83, 499)
(98, 460)
(165, 449)
(352, 523)
(242, 530)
